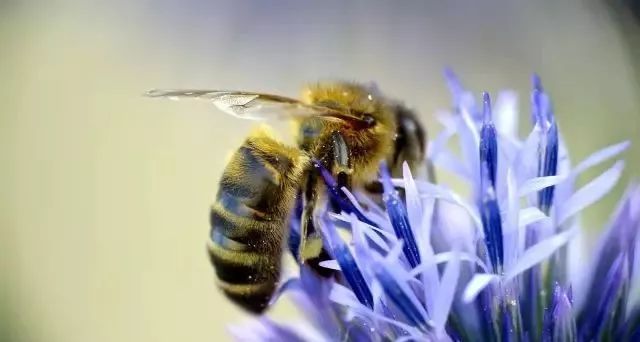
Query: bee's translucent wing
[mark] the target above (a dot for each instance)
(248, 105)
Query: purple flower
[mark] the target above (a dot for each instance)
(433, 265)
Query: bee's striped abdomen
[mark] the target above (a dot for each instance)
(248, 219)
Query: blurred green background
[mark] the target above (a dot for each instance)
(106, 193)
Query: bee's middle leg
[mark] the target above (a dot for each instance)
(310, 239)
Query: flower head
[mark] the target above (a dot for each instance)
(425, 263)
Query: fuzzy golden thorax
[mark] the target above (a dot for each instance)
(367, 145)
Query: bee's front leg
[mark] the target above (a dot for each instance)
(311, 250)
(342, 169)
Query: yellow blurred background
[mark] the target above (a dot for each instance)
(104, 213)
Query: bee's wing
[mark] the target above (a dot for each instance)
(248, 105)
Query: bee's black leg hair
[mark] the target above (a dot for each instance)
(374, 187)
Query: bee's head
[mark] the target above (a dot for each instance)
(369, 124)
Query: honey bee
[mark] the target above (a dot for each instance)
(348, 128)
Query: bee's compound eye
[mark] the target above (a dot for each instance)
(369, 120)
